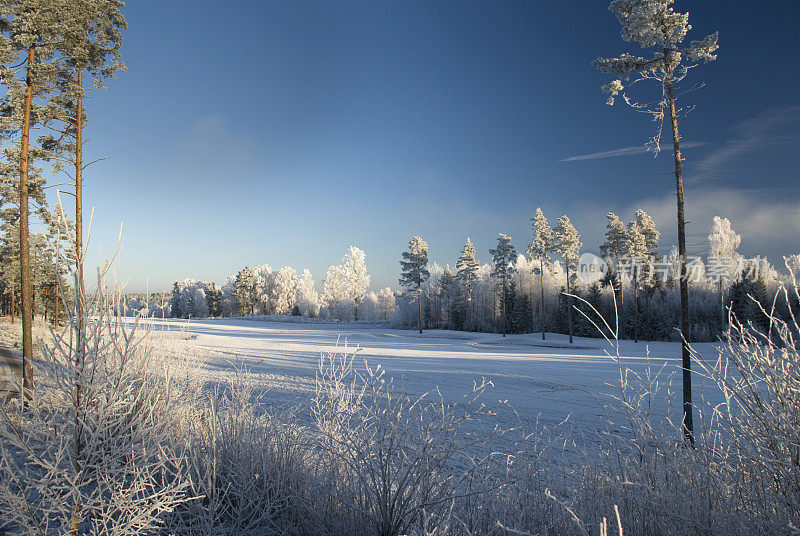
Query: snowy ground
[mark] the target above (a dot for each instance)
(548, 380)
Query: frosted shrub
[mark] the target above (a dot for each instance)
(758, 372)
(252, 472)
(398, 461)
(93, 450)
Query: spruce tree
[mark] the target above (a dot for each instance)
(503, 258)
(568, 246)
(540, 249)
(467, 270)
(654, 24)
(415, 270)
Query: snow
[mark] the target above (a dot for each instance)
(545, 380)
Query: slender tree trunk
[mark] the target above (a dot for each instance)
(541, 305)
(79, 288)
(636, 304)
(24, 245)
(688, 421)
(569, 307)
(419, 304)
(505, 307)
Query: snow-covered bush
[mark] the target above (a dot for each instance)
(96, 448)
(399, 461)
(251, 471)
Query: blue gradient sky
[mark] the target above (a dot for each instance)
(282, 132)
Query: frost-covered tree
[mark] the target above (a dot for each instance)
(336, 293)
(540, 248)
(229, 303)
(214, 299)
(724, 243)
(264, 290)
(466, 271)
(355, 269)
(616, 247)
(568, 246)
(307, 298)
(654, 24)
(503, 258)
(415, 270)
(284, 290)
(245, 291)
(386, 301)
(346, 285)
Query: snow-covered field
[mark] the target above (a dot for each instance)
(548, 380)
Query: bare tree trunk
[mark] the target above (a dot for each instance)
(505, 307)
(541, 305)
(636, 304)
(419, 303)
(688, 421)
(79, 289)
(24, 245)
(569, 307)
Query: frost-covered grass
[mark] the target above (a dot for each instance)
(236, 427)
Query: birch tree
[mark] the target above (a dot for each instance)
(723, 242)
(655, 25)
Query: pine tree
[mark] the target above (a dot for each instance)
(643, 237)
(214, 299)
(90, 44)
(540, 249)
(30, 29)
(654, 24)
(502, 262)
(467, 272)
(415, 270)
(568, 246)
(245, 290)
(615, 248)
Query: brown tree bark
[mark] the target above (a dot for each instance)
(688, 421)
(24, 244)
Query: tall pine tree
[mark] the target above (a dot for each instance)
(415, 270)
(568, 245)
(654, 24)
(503, 258)
(540, 248)
(467, 272)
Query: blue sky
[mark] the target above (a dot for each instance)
(283, 132)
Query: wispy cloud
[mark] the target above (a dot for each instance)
(772, 129)
(625, 151)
